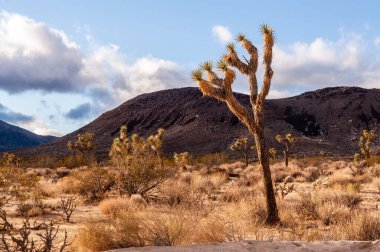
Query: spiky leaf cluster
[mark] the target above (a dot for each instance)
(182, 159)
(240, 144)
(139, 162)
(9, 160)
(365, 142)
(273, 152)
(289, 138)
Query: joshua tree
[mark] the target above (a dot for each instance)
(83, 147)
(365, 143)
(182, 159)
(286, 141)
(241, 145)
(253, 119)
(139, 161)
(273, 152)
(9, 160)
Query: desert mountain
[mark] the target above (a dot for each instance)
(13, 137)
(325, 121)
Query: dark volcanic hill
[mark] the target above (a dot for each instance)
(324, 121)
(13, 137)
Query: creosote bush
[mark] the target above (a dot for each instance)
(91, 183)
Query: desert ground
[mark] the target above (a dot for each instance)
(204, 200)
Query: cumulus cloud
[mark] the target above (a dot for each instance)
(82, 111)
(13, 117)
(222, 33)
(34, 56)
(324, 63)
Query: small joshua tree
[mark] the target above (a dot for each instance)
(273, 152)
(9, 160)
(253, 118)
(286, 141)
(365, 143)
(358, 166)
(182, 159)
(83, 147)
(241, 145)
(139, 161)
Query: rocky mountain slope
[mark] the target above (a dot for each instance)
(325, 121)
(13, 137)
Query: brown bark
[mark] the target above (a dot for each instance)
(286, 154)
(263, 155)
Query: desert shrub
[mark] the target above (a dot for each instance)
(113, 206)
(374, 170)
(91, 183)
(311, 173)
(23, 238)
(139, 163)
(170, 229)
(135, 229)
(16, 181)
(361, 226)
(340, 180)
(231, 222)
(332, 213)
(316, 205)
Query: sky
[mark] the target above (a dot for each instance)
(64, 63)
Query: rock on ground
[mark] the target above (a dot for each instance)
(268, 246)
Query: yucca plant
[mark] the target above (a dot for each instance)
(241, 146)
(273, 152)
(253, 118)
(365, 143)
(139, 162)
(286, 141)
(83, 148)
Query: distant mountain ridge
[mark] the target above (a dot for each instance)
(13, 137)
(325, 121)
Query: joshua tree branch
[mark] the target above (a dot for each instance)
(267, 61)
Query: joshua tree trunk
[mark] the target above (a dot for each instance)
(220, 88)
(286, 154)
(263, 155)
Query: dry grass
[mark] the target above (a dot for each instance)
(360, 226)
(112, 206)
(224, 208)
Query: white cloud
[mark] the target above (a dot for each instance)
(276, 94)
(34, 56)
(222, 33)
(39, 127)
(322, 63)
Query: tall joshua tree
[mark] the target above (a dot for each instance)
(253, 118)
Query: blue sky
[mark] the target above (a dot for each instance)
(63, 63)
